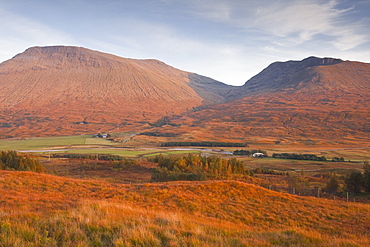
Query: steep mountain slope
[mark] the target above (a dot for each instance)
(58, 86)
(313, 99)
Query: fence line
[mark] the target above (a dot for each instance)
(319, 193)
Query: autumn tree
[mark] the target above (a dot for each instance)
(11, 160)
(333, 184)
(195, 167)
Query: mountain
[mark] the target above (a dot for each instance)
(51, 89)
(63, 90)
(307, 74)
(310, 100)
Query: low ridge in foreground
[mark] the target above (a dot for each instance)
(46, 210)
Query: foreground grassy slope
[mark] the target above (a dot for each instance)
(45, 210)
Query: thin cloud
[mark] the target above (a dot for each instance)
(294, 20)
(301, 21)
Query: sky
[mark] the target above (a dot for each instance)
(227, 40)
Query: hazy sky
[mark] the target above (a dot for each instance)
(227, 40)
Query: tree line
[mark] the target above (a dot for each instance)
(89, 156)
(11, 160)
(249, 152)
(195, 167)
(149, 133)
(203, 144)
(294, 156)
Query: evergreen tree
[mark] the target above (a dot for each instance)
(333, 184)
(355, 182)
(367, 176)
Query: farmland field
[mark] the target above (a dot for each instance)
(130, 153)
(42, 142)
(129, 147)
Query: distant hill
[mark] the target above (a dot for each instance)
(312, 73)
(50, 89)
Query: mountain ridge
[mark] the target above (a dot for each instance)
(47, 90)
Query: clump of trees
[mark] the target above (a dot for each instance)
(336, 159)
(358, 181)
(269, 171)
(249, 152)
(163, 121)
(11, 160)
(196, 167)
(294, 156)
(89, 156)
(203, 144)
(149, 133)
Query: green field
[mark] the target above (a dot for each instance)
(43, 142)
(99, 141)
(85, 144)
(129, 153)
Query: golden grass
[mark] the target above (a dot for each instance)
(45, 210)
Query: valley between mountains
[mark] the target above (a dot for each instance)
(112, 151)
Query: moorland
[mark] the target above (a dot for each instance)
(121, 152)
